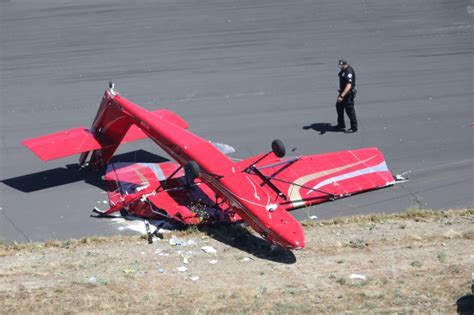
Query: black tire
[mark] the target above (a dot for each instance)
(278, 148)
(191, 170)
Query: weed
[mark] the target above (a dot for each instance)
(416, 264)
(262, 290)
(441, 257)
(176, 293)
(358, 243)
(104, 282)
(192, 229)
(341, 281)
(359, 283)
(454, 268)
(234, 295)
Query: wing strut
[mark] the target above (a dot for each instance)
(268, 182)
(166, 180)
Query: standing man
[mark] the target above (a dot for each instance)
(345, 99)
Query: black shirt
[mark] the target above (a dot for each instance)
(347, 76)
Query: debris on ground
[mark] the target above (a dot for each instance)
(194, 278)
(209, 249)
(356, 276)
(174, 241)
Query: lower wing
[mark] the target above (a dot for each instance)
(313, 179)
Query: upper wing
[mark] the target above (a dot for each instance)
(317, 178)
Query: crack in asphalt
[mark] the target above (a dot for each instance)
(14, 225)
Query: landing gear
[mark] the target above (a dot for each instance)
(278, 148)
(191, 172)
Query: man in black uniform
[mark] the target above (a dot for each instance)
(345, 99)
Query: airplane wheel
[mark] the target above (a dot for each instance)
(278, 148)
(191, 170)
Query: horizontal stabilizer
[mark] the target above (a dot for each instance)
(63, 143)
(78, 140)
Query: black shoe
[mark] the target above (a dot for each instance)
(340, 128)
(352, 130)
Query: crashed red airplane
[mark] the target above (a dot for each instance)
(206, 186)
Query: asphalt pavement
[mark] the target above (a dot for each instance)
(243, 73)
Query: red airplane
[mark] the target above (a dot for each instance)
(206, 186)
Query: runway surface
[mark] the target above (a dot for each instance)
(243, 73)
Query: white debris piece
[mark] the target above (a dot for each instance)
(194, 278)
(174, 241)
(356, 276)
(185, 259)
(245, 259)
(161, 270)
(190, 243)
(209, 249)
(313, 217)
(92, 280)
(213, 262)
(182, 268)
(161, 252)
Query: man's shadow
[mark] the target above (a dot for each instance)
(322, 128)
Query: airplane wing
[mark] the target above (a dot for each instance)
(308, 180)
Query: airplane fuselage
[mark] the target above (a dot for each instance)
(257, 205)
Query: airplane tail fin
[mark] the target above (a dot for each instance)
(111, 127)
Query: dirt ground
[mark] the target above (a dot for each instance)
(418, 261)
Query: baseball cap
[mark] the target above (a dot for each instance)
(342, 62)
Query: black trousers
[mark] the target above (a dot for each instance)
(348, 106)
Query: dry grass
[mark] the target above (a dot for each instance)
(413, 262)
(413, 213)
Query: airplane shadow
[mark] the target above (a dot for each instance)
(238, 237)
(72, 173)
(322, 128)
